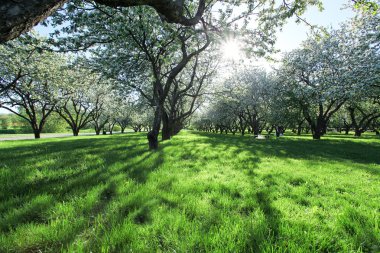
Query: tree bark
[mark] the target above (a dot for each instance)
(256, 130)
(20, 16)
(166, 127)
(37, 133)
(75, 132)
(299, 129)
(318, 129)
(154, 132)
(358, 133)
(317, 134)
(299, 126)
(177, 127)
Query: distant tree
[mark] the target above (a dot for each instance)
(243, 102)
(78, 98)
(184, 97)
(319, 79)
(341, 120)
(123, 113)
(104, 104)
(148, 55)
(362, 115)
(34, 74)
(141, 116)
(361, 36)
(5, 122)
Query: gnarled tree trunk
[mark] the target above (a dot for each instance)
(166, 127)
(153, 133)
(20, 16)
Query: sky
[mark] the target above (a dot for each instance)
(292, 34)
(332, 15)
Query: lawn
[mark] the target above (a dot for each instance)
(198, 193)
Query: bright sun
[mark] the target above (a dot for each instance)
(231, 50)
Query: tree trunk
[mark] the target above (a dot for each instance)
(270, 130)
(299, 126)
(75, 132)
(279, 130)
(122, 129)
(110, 128)
(324, 129)
(299, 130)
(37, 133)
(256, 130)
(317, 134)
(166, 127)
(154, 132)
(317, 131)
(177, 127)
(358, 132)
(318, 128)
(20, 16)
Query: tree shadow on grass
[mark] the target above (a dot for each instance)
(334, 150)
(195, 149)
(78, 167)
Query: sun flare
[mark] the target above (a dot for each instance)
(231, 50)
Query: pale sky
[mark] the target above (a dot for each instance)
(332, 15)
(292, 34)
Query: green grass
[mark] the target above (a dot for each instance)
(198, 193)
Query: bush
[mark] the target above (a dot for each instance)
(7, 131)
(116, 128)
(55, 124)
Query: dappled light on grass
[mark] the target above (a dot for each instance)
(199, 192)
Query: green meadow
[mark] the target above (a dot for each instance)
(197, 193)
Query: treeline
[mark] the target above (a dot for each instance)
(153, 76)
(49, 92)
(331, 81)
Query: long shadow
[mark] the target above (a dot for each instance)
(127, 156)
(64, 186)
(342, 150)
(306, 149)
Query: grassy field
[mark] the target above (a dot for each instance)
(198, 193)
